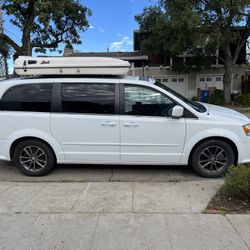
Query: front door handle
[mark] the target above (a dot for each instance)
(107, 123)
(130, 124)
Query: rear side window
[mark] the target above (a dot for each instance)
(88, 98)
(28, 97)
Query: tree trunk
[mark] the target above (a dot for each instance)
(26, 43)
(228, 64)
(227, 83)
(27, 46)
(6, 68)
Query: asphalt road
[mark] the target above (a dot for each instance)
(103, 173)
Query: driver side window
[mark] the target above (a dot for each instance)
(144, 101)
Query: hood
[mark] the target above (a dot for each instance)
(222, 113)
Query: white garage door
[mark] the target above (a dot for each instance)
(178, 83)
(206, 81)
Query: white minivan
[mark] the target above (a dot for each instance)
(75, 120)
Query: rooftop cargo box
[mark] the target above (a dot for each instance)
(25, 65)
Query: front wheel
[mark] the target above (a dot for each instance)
(212, 158)
(33, 158)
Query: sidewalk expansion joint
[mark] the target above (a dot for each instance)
(235, 229)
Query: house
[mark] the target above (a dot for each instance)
(147, 64)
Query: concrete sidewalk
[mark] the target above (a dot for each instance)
(107, 197)
(124, 231)
(117, 215)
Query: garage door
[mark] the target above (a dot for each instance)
(206, 81)
(178, 83)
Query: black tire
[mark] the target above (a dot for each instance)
(33, 158)
(212, 158)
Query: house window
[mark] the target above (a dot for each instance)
(202, 79)
(209, 79)
(181, 79)
(174, 79)
(165, 80)
(218, 79)
(158, 80)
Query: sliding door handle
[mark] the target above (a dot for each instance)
(130, 124)
(107, 123)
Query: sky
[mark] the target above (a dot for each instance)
(111, 25)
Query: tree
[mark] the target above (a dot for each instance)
(5, 52)
(199, 27)
(45, 23)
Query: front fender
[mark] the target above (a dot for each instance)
(206, 134)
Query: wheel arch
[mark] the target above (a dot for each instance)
(220, 138)
(21, 139)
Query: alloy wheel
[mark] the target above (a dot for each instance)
(213, 159)
(33, 158)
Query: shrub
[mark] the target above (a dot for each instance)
(217, 98)
(243, 100)
(195, 99)
(237, 182)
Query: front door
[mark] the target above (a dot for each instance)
(87, 126)
(148, 133)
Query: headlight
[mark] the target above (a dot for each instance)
(246, 129)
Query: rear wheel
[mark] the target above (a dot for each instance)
(212, 158)
(33, 158)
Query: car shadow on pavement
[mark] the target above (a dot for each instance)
(104, 173)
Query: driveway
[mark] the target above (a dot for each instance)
(93, 207)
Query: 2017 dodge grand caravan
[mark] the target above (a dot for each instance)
(75, 120)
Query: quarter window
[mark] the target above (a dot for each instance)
(28, 97)
(88, 98)
(146, 102)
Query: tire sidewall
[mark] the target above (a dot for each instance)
(196, 155)
(49, 154)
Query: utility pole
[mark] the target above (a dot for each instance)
(5, 63)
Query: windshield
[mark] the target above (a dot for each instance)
(195, 105)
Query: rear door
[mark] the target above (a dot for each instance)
(88, 125)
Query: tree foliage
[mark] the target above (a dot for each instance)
(198, 27)
(45, 23)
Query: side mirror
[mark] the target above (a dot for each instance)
(177, 112)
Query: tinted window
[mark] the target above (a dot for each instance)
(146, 102)
(88, 98)
(28, 97)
